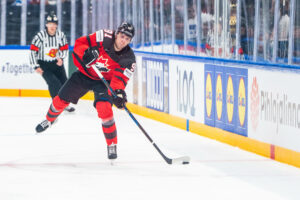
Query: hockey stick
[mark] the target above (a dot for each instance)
(180, 160)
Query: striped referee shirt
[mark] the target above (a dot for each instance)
(48, 48)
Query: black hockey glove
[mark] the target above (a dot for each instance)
(121, 99)
(90, 55)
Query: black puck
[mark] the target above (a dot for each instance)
(185, 163)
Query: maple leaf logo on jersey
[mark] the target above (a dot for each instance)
(102, 61)
(102, 64)
(52, 53)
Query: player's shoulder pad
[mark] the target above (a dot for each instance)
(108, 38)
(103, 33)
(99, 36)
(108, 32)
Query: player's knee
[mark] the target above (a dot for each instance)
(59, 104)
(104, 109)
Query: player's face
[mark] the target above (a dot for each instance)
(51, 28)
(121, 41)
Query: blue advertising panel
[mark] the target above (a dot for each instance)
(220, 97)
(227, 98)
(209, 95)
(155, 83)
(242, 104)
(231, 100)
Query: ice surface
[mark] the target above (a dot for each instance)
(69, 161)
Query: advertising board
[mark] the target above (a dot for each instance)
(16, 72)
(186, 89)
(274, 107)
(225, 99)
(155, 84)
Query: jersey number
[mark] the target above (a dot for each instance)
(108, 33)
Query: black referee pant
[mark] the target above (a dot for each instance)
(54, 75)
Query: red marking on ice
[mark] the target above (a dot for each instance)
(272, 152)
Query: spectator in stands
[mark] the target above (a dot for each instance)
(179, 22)
(219, 43)
(296, 50)
(283, 33)
(192, 23)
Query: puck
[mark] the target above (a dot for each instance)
(185, 163)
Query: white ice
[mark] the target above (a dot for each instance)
(69, 161)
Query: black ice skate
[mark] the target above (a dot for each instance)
(69, 109)
(43, 126)
(112, 151)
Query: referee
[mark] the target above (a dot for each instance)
(48, 49)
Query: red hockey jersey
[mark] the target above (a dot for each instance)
(116, 67)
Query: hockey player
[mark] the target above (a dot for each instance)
(48, 49)
(109, 51)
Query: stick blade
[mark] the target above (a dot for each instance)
(181, 160)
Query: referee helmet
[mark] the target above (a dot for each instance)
(51, 18)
